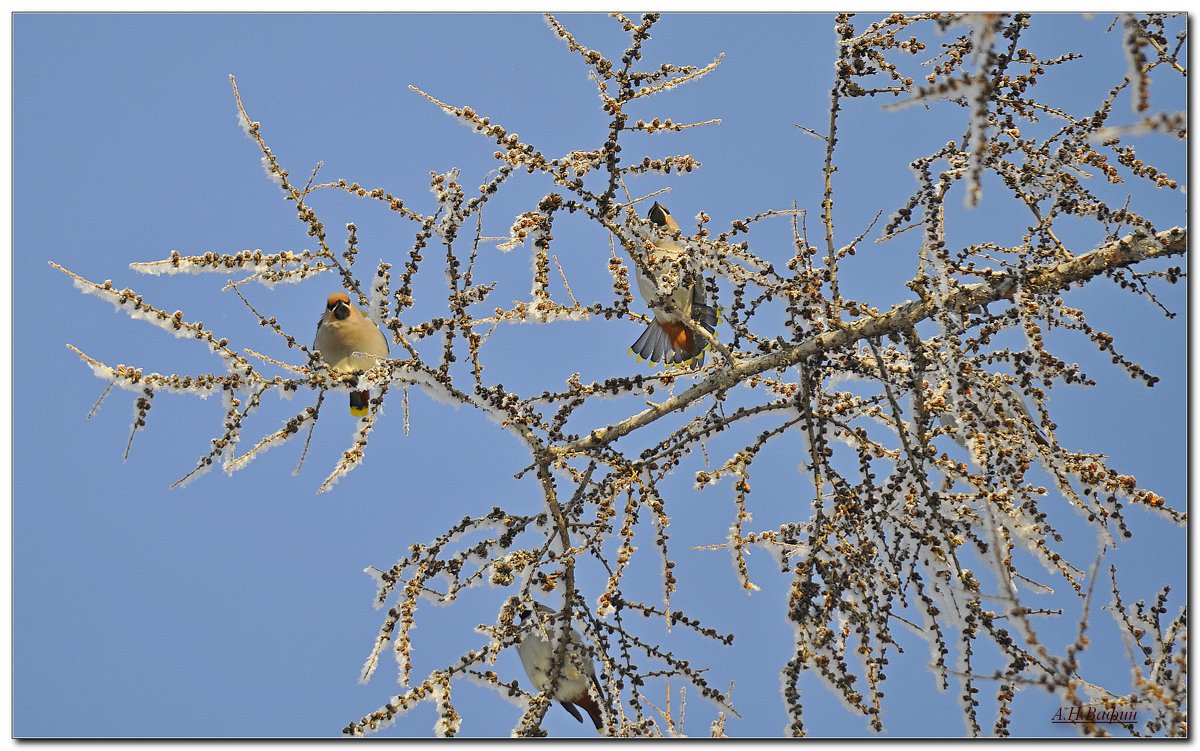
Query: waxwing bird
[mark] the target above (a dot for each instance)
(537, 651)
(343, 330)
(668, 338)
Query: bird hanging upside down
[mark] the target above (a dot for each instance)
(343, 330)
(537, 652)
(668, 338)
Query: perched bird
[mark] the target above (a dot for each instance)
(343, 330)
(668, 339)
(537, 652)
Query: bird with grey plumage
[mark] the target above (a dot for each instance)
(669, 338)
(537, 650)
(349, 342)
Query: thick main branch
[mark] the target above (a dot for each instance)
(1127, 251)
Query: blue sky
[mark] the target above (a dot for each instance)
(237, 606)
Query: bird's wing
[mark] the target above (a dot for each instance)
(571, 708)
(317, 335)
(704, 314)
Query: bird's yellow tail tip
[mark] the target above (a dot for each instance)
(358, 411)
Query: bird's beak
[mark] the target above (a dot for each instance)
(341, 311)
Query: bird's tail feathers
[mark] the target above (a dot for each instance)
(652, 345)
(675, 343)
(358, 403)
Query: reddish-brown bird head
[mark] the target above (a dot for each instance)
(338, 304)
